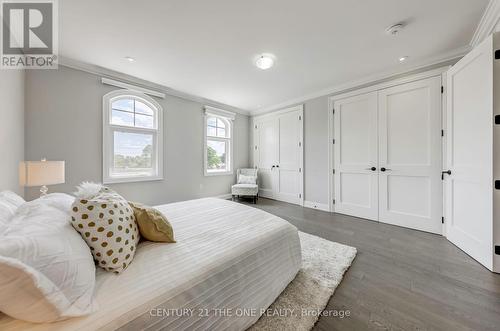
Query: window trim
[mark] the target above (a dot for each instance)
(107, 136)
(228, 118)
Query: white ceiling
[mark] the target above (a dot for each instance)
(207, 48)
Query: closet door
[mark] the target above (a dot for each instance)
(288, 169)
(410, 155)
(469, 186)
(266, 155)
(355, 156)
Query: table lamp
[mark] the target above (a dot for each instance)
(41, 173)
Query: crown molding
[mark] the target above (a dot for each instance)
(141, 83)
(421, 66)
(489, 21)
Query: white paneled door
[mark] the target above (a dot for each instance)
(355, 157)
(288, 169)
(469, 188)
(279, 155)
(410, 157)
(266, 154)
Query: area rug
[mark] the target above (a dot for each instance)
(298, 307)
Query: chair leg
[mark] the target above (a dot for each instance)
(232, 197)
(255, 200)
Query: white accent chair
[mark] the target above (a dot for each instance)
(243, 188)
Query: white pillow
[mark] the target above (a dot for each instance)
(9, 202)
(243, 179)
(11, 198)
(46, 269)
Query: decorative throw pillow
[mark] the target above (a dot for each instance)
(243, 179)
(106, 222)
(46, 270)
(153, 225)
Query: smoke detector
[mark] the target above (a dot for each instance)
(394, 29)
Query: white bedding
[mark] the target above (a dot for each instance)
(229, 260)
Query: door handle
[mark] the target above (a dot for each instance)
(372, 169)
(277, 166)
(272, 167)
(447, 172)
(384, 169)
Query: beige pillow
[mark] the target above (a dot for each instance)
(106, 223)
(153, 225)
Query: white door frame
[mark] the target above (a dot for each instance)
(331, 100)
(300, 109)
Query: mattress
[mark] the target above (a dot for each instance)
(229, 264)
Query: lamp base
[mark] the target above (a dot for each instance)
(43, 191)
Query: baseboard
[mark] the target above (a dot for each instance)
(223, 196)
(316, 205)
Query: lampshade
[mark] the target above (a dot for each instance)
(39, 173)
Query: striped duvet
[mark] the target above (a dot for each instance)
(229, 264)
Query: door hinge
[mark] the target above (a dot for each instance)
(442, 133)
(300, 196)
(497, 250)
(300, 144)
(300, 118)
(333, 141)
(333, 111)
(442, 89)
(300, 169)
(256, 147)
(333, 201)
(442, 220)
(256, 126)
(334, 171)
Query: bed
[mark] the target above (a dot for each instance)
(230, 263)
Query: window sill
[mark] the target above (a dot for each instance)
(130, 180)
(218, 173)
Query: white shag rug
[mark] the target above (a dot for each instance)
(324, 263)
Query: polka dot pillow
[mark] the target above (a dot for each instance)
(106, 222)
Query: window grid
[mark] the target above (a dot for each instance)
(134, 112)
(219, 125)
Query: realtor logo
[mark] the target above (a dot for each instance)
(29, 34)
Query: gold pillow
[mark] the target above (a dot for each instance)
(153, 225)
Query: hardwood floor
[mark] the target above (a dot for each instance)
(401, 279)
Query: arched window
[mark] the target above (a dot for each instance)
(132, 137)
(218, 142)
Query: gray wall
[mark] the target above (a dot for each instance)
(64, 122)
(11, 128)
(316, 150)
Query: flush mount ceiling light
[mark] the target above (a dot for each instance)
(129, 59)
(403, 59)
(265, 61)
(394, 29)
